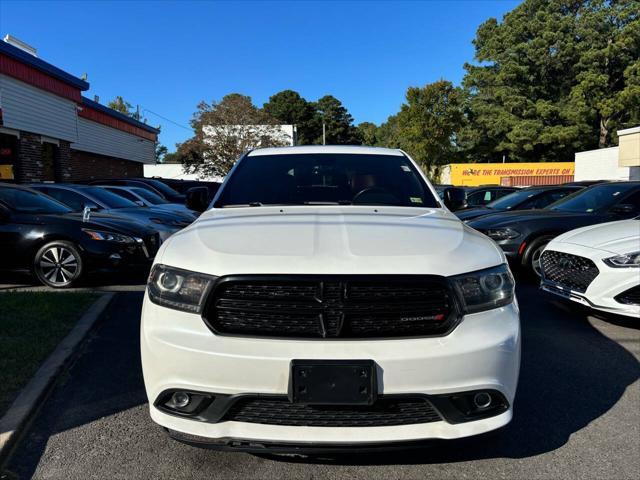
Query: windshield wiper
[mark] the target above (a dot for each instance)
(339, 202)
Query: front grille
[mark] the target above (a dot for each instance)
(569, 271)
(353, 307)
(630, 296)
(405, 410)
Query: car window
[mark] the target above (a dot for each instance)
(74, 201)
(123, 193)
(111, 200)
(632, 199)
(163, 188)
(149, 196)
(322, 178)
(26, 201)
(513, 200)
(593, 199)
(478, 198)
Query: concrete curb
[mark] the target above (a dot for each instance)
(30, 398)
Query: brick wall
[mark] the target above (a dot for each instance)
(88, 166)
(63, 170)
(29, 165)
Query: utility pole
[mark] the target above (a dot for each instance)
(324, 133)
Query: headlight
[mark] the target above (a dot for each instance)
(108, 236)
(502, 233)
(178, 289)
(622, 261)
(485, 289)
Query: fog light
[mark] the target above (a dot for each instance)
(482, 400)
(180, 399)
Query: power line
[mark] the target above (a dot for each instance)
(166, 119)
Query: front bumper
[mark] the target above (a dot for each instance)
(180, 352)
(601, 292)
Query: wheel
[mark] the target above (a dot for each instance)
(532, 255)
(58, 264)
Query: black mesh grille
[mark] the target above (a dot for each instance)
(330, 308)
(629, 297)
(385, 412)
(569, 271)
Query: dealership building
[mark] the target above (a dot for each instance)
(49, 131)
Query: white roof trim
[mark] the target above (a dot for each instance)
(628, 131)
(351, 149)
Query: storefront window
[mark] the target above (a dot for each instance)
(8, 156)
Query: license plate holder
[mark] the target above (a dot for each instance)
(333, 382)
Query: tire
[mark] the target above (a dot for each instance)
(58, 264)
(531, 258)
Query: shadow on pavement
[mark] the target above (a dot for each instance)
(571, 375)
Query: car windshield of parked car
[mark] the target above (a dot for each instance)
(593, 199)
(163, 188)
(326, 179)
(512, 200)
(149, 196)
(111, 200)
(25, 201)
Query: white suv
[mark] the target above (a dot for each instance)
(328, 299)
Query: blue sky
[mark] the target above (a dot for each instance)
(167, 56)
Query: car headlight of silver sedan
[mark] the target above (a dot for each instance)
(502, 233)
(178, 289)
(624, 261)
(485, 289)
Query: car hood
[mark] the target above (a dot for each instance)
(505, 219)
(469, 213)
(330, 240)
(619, 237)
(98, 221)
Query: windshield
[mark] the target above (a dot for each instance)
(149, 196)
(111, 200)
(326, 179)
(26, 201)
(163, 188)
(592, 199)
(513, 199)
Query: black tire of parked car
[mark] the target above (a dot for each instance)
(532, 254)
(58, 264)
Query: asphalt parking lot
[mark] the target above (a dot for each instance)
(577, 414)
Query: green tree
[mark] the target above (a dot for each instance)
(338, 122)
(608, 67)
(161, 152)
(428, 123)
(289, 107)
(119, 104)
(368, 133)
(224, 130)
(552, 78)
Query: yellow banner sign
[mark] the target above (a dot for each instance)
(474, 174)
(6, 172)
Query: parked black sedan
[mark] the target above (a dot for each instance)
(152, 184)
(524, 199)
(523, 234)
(41, 236)
(78, 197)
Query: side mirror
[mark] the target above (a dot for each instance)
(197, 199)
(623, 209)
(454, 198)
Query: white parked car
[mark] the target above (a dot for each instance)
(597, 266)
(329, 300)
